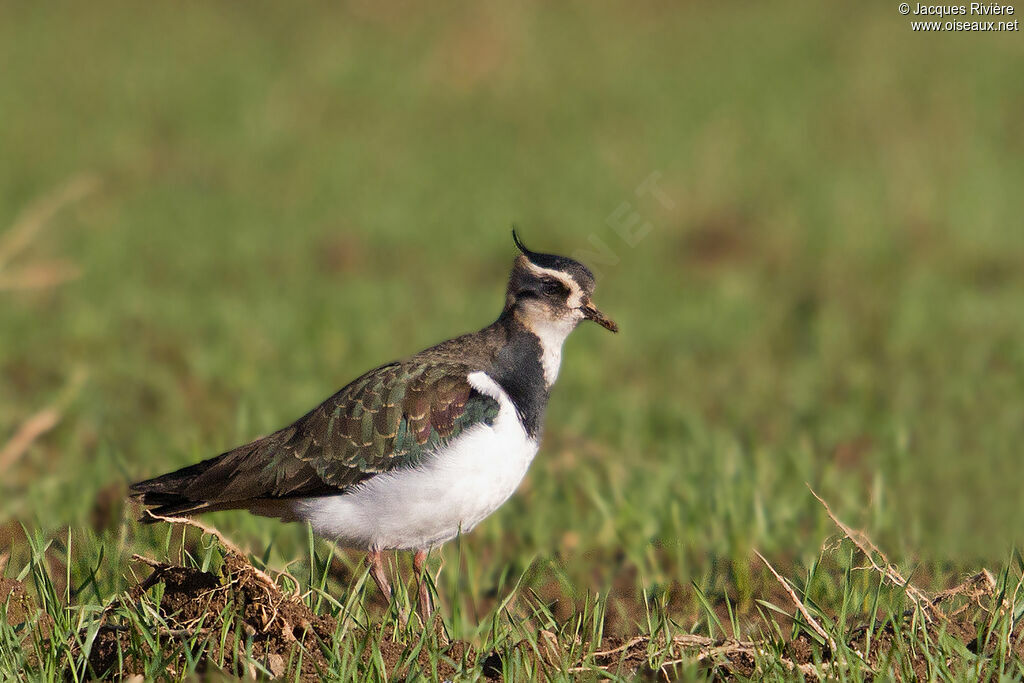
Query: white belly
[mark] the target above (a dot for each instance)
(450, 492)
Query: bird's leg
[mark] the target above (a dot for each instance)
(375, 559)
(419, 561)
(380, 577)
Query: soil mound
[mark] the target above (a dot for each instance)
(214, 619)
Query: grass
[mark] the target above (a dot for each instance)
(237, 209)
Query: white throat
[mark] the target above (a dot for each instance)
(552, 336)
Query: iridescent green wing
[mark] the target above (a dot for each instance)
(389, 418)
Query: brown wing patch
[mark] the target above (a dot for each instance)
(449, 400)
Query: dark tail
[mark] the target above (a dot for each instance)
(167, 495)
(251, 477)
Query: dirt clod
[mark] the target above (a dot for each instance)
(193, 609)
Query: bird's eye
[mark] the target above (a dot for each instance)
(554, 287)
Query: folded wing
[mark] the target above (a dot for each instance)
(389, 418)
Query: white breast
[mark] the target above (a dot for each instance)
(450, 492)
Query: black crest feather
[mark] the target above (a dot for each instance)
(522, 247)
(580, 272)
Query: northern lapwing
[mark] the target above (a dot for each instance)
(417, 451)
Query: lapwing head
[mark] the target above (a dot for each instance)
(547, 291)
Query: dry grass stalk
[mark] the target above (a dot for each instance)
(708, 649)
(40, 423)
(224, 542)
(27, 227)
(34, 218)
(975, 588)
(40, 275)
(811, 621)
(625, 646)
(696, 648)
(30, 430)
(882, 565)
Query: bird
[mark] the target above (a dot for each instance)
(417, 451)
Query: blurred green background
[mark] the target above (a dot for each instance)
(268, 199)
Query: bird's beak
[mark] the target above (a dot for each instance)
(590, 312)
